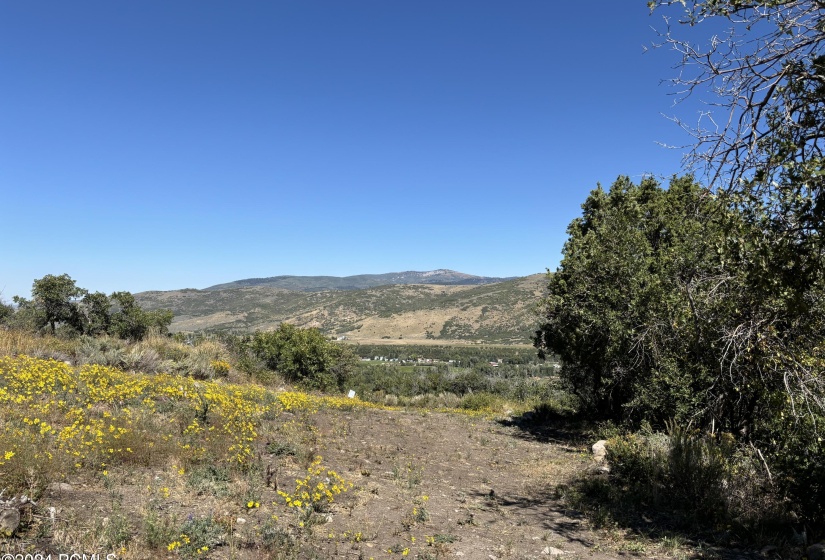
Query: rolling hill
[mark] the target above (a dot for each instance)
(496, 313)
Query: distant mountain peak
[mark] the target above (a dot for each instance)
(441, 276)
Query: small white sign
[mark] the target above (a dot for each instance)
(351, 394)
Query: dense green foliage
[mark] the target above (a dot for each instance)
(57, 301)
(761, 144)
(443, 385)
(670, 304)
(303, 355)
(6, 311)
(128, 320)
(619, 311)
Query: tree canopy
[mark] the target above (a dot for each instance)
(55, 299)
(667, 307)
(58, 301)
(626, 309)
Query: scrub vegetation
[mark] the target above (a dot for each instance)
(684, 327)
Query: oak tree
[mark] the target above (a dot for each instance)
(55, 299)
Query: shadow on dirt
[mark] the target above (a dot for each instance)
(595, 499)
(551, 428)
(543, 510)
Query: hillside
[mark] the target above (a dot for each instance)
(502, 312)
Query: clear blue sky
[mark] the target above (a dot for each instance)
(161, 145)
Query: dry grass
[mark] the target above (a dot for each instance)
(14, 342)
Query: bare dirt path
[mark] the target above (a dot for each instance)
(486, 490)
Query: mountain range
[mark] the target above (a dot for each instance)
(441, 277)
(415, 307)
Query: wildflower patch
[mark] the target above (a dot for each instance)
(57, 419)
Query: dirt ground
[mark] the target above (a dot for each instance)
(490, 489)
(425, 485)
